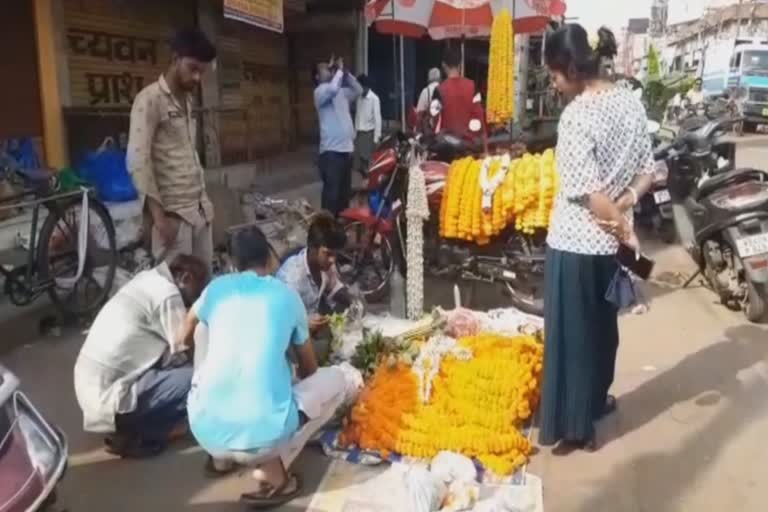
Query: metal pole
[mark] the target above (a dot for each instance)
(543, 94)
(402, 82)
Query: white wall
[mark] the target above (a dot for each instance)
(687, 10)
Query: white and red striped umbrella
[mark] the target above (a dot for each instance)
(445, 19)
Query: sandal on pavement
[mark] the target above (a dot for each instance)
(611, 403)
(132, 448)
(274, 496)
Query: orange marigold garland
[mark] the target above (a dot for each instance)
(476, 408)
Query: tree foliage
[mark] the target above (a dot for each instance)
(654, 66)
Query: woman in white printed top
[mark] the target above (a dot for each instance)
(604, 162)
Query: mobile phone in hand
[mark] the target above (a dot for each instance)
(631, 259)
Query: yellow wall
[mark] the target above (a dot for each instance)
(53, 117)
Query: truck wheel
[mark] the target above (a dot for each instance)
(755, 306)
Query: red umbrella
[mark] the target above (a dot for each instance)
(444, 19)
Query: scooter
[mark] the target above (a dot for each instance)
(33, 453)
(654, 210)
(721, 217)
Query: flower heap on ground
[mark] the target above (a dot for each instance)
(501, 82)
(483, 197)
(476, 405)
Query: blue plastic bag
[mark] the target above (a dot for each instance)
(25, 154)
(107, 171)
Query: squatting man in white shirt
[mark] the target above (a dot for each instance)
(132, 378)
(368, 125)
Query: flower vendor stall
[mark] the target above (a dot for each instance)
(459, 381)
(494, 208)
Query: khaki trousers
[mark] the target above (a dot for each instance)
(193, 240)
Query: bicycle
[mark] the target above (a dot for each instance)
(74, 265)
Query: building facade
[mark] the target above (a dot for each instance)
(686, 42)
(81, 63)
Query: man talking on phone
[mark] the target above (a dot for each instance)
(335, 91)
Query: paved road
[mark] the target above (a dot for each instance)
(689, 435)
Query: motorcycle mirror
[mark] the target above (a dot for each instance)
(653, 127)
(475, 125)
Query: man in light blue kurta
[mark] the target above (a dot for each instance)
(242, 397)
(244, 406)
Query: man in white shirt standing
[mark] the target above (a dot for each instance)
(429, 91)
(367, 124)
(131, 377)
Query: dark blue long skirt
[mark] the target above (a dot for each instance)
(581, 339)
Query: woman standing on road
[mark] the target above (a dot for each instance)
(605, 163)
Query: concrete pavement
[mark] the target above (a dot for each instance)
(692, 381)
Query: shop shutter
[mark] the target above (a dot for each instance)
(115, 48)
(20, 100)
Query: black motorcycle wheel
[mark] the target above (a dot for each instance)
(754, 308)
(527, 293)
(369, 267)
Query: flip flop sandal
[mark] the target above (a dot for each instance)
(211, 471)
(275, 495)
(133, 449)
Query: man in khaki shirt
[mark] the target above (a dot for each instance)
(162, 157)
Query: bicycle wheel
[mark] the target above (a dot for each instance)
(58, 257)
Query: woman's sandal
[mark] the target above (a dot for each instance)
(268, 496)
(611, 404)
(211, 471)
(564, 447)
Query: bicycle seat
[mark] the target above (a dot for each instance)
(733, 177)
(36, 177)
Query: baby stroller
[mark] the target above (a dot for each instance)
(33, 454)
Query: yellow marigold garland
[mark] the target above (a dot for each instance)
(500, 102)
(523, 200)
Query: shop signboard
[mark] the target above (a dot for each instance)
(266, 14)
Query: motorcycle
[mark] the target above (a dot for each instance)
(33, 453)
(721, 217)
(376, 231)
(654, 210)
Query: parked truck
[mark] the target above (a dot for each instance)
(739, 63)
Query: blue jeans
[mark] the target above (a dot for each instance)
(336, 174)
(161, 404)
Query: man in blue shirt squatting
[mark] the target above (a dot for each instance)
(244, 407)
(335, 90)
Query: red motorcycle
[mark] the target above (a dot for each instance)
(376, 230)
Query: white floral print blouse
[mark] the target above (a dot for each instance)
(603, 143)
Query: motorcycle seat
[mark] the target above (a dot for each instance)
(435, 171)
(733, 177)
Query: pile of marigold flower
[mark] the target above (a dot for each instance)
(482, 197)
(501, 81)
(476, 407)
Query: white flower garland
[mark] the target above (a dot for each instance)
(489, 185)
(416, 212)
(427, 364)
